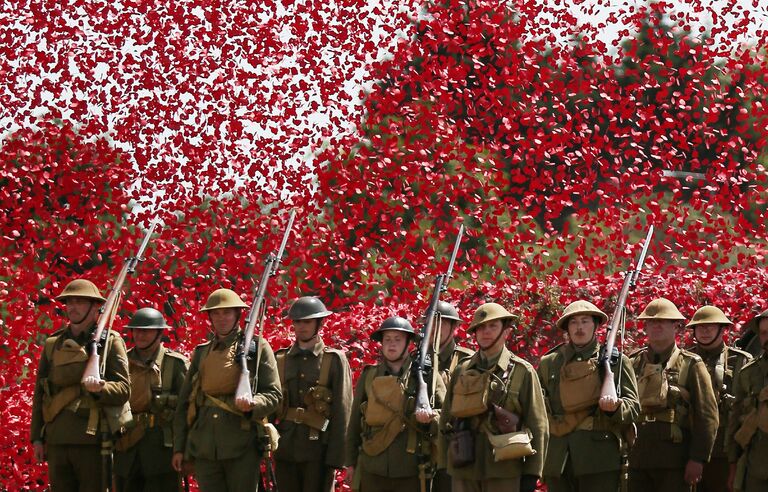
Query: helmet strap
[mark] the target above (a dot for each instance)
(157, 335)
(501, 333)
(85, 316)
(318, 322)
(714, 340)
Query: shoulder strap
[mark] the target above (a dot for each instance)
(369, 377)
(280, 358)
(685, 365)
(325, 368)
(50, 343)
(166, 372)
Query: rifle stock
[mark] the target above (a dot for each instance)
(608, 387)
(256, 316)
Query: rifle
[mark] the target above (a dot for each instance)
(96, 368)
(441, 284)
(618, 318)
(256, 315)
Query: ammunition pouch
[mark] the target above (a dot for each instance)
(319, 399)
(762, 410)
(471, 393)
(461, 445)
(386, 399)
(511, 446)
(579, 385)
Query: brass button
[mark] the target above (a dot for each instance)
(301, 375)
(215, 415)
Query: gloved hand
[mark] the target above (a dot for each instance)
(528, 483)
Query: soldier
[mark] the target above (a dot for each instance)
(449, 356)
(67, 415)
(317, 398)
(494, 416)
(224, 438)
(750, 341)
(586, 444)
(747, 433)
(678, 421)
(723, 364)
(143, 460)
(389, 443)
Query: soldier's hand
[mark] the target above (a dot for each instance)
(424, 415)
(349, 478)
(177, 461)
(693, 471)
(244, 403)
(39, 450)
(94, 384)
(608, 403)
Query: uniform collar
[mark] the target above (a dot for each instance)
(226, 341)
(660, 357)
(581, 353)
(384, 368)
(295, 350)
(155, 360)
(480, 361)
(84, 335)
(708, 354)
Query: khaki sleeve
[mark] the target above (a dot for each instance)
(737, 415)
(341, 407)
(704, 414)
(117, 389)
(180, 427)
(354, 429)
(630, 402)
(36, 426)
(267, 393)
(534, 418)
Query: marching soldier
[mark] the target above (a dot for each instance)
(750, 341)
(143, 459)
(66, 415)
(747, 433)
(449, 356)
(317, 398)
(389, 442)
(223, 438)
(586, 443)
(494, 416)
(723, 364)
(678, 421)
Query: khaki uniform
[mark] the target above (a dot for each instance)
(586, 445)
(723, 365)
(313, 417)
(678, 420)
(747, 432)
(384, 441)
(143, 456)
(225, 445)
(70, 420)
(450, 356)
(523, 396)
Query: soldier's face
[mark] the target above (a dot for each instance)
(223, 320)
(144, 339)
(446, 331)
(661, 332)
(487, 335)
(762, 331)
(708, 334)
(304, 329)
(581, 329)
(81, 310)
(393, 344)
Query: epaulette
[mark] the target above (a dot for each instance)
(637, 353)
(283, 350)
(554, 349)
(203, 345)
(56, 333)
(521, 361)
(692, 355)
(753, 362)
(176, 355)
(464, 350)
(337, 352)
(742, 353)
